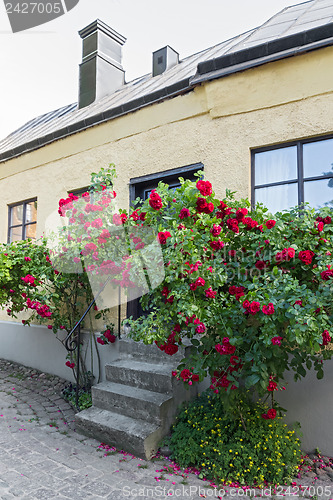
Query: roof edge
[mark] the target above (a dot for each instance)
(263, 51)
(134, 105)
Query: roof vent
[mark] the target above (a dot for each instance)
(101, 72)
(164, 59)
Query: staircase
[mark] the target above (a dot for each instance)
(136, 405)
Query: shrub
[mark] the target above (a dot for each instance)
(243, 448)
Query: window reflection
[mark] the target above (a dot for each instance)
(318, 158)
(319, 193)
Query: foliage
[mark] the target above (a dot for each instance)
(206, 437)
(36, 278)
(253, 293)
(84, 399)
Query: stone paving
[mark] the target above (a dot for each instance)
(42, 457)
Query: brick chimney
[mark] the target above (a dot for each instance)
(101, 72)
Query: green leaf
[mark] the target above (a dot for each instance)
(195, 342)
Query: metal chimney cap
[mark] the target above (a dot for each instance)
(98, 25)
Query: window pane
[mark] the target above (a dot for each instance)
(319, 193)
(30, 231)
(318, 158)
(31, 212)
(16, 215)
(276, 165)
(277, 198)
(15, 234)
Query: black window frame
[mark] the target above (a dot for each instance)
(138, 186)
(24, 224)
(300, 177)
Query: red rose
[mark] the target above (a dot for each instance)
(210, 294)
(100, 341)
(271, 413)
(171, 349)
(97, 223)
(260, 264)
(89, 248)
(109, 336)
(254, 308)
(240, 213)
(204, 187)
(306, 256)
(185, 374)
(272, 386)
(326, 338)
(209, 209)
(268, 310)
(276, 340)
(234, 360)
(184, 213)
(163, 236)
(201, 205)
(155, 200)
(216, 245)
(215, 230)
(200, 282)
(326, 275)
(270, 223)
(195, 377)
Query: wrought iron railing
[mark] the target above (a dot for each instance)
(73, 341)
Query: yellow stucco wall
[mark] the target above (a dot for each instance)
(218, 123)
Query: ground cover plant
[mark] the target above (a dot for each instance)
(234, 447)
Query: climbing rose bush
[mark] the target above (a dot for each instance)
(252, 292)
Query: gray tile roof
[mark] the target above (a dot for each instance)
(300, 27)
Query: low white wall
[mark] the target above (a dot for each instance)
(310, 402)
(39, 348)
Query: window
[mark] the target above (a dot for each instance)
(289, 175)
(22, 220)
(142, 187)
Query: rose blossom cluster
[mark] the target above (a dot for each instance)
(29, 280)
(187, 376)
(170, 347)
(106, 337)
(201, 327)
(220, 378)
(155, 201)
(67, 204)
(326, 338)
(271, 414)
(254, 307)
(286, 255)
(41, 310)
(237, 291)
(225, 347)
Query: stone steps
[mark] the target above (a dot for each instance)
(149, 406)
(136, 405)
(153, 377)
(125, 433)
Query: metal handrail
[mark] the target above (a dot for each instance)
(72, 344)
